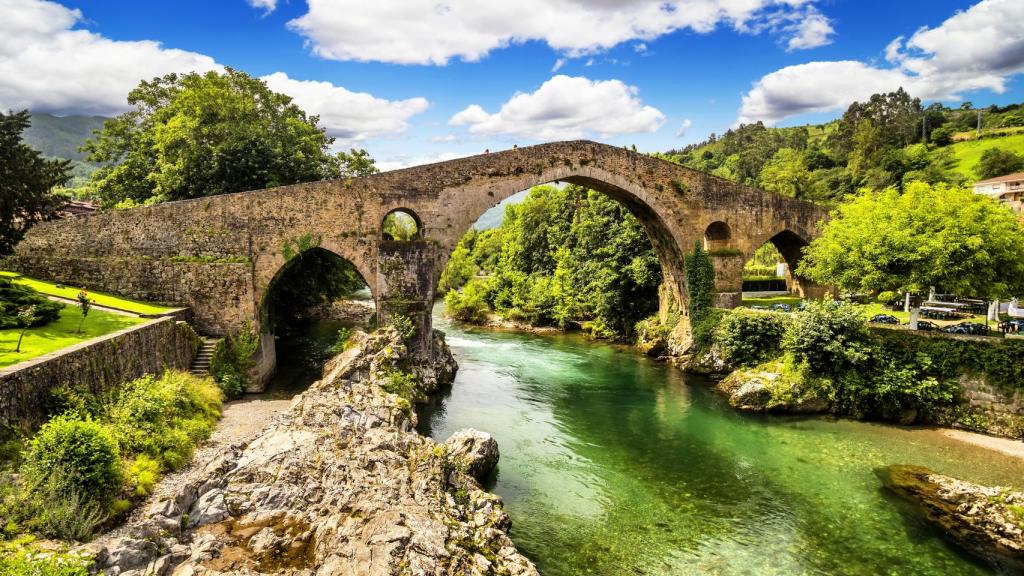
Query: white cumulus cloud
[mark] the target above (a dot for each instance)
(436, 32)
(684, 128)
(267, 6)
(811, 31)
(349, 116)
(978, 48)
(47, 65)
(565, 107)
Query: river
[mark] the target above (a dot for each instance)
(612, 463)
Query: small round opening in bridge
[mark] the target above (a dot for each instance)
(401, 226)
(717, 236)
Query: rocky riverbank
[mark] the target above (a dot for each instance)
(985, 521)
(338, 484)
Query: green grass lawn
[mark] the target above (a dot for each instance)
(968, 153)
(98, 298)
(60, 334)
(768, 301)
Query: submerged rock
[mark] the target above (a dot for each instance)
(986, 521)
(473, 451)
(338, 484)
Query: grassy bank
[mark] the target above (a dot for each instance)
(61, 334)
(98, 298)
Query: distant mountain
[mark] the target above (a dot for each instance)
(60, 136)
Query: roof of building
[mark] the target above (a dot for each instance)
(1008, 178)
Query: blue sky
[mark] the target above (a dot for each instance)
(419, 81)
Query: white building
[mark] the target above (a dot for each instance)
(1007, 189)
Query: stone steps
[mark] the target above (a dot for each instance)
(201, 364)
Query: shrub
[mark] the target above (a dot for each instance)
(703, 330)
(164, 418)
(886, 297)
(16, 560)
(405, 326)
(15, 298)
(402, 384)
(143, 475)
(78, 455)
(58, 507)
(750, 337)
(829, 336)
(469, 305)
(341, 343)
(232, 359)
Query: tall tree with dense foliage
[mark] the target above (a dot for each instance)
(998, 162)
(700, 282)
(198, 135)
(27, 180)
(563, 256)
(941, 236)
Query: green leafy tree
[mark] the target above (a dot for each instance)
(355, 163)
(27, 316)
(198, 135)
(786, 173)
(940, 236)
(562, 257)
(998, 162)
(84, 305)
(27, 180)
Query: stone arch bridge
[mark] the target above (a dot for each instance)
(220, 255)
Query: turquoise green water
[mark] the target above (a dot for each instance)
(615, 464)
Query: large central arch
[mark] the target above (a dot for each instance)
(219, 255)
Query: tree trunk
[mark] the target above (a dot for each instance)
(20, 337)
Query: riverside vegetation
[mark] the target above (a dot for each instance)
(94, 460)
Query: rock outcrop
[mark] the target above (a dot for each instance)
(986, 521)
(473, 452)
(339, 484)
(768, 388)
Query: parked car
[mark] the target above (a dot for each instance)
(781, 307)
(1015, 326)
(972, 328)
(927, 326)
(884, 319)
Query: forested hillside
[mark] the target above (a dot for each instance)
(887, 141)
(60, 137)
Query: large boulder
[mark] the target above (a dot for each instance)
(473, 451)
(986, 521)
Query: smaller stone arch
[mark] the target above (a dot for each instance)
(401, 225)
(717, 236)
(791, 245)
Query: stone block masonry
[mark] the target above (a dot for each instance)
(221, 255)
(96, 365)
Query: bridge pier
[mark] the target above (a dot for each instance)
(406, 276)
(728, 278)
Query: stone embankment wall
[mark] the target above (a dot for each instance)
(96, 365)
